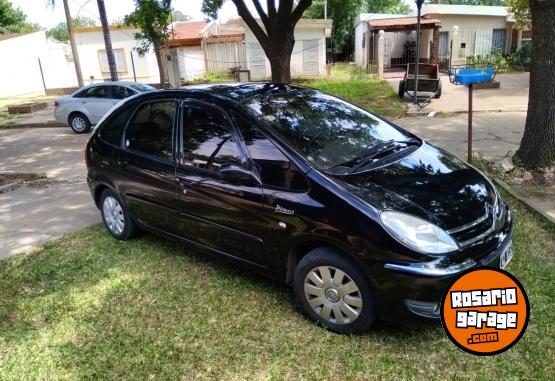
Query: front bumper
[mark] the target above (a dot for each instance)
(405, 294)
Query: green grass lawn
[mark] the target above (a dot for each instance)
(374, 94)
(89, 307)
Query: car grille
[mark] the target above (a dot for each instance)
(479, 229)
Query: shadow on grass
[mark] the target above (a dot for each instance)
(90, 306)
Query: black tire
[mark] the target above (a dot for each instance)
(439, 90)
(79, 123)
(129, 229)
(319, 259)
(402, 89)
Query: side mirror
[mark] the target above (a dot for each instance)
(237, 174)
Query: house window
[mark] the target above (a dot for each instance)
(119, 57)
(499, 41)
(462, 50)
(363, 40)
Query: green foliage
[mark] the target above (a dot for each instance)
(375, 94)
(153, 18)
(211, 7)
(386, 6)
(517, 60)
(60, 33)
(470, 2)
(13, 20)
(343, 13)
(520, 9)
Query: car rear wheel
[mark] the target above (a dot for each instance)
(79, 123)
(117, 219)
(331, 290)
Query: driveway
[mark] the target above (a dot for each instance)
(30, 216)
(511, 96)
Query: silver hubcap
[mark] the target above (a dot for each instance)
(333, 295)
(79, 123)
(113, 215)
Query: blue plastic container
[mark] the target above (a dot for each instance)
(469, 75)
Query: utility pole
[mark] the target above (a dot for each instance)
(74, 51)
(107, 40)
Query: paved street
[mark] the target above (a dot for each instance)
(31, 216)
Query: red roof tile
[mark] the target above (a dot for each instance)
(187, 30)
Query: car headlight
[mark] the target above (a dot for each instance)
(418, 234)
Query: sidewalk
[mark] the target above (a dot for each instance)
(511, 96)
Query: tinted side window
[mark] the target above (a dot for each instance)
(112, 128)
(275, 168)
(102, 92)
(150, 130)
(120, 92)
(207, 140)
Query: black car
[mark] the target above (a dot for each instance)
(362, 218)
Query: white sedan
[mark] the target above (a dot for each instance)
(86, 106)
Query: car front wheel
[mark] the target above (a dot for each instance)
(79, 123)
(331, 290)
(117, 219)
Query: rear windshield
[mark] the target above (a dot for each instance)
(326, 130)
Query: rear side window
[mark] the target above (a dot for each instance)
(150, 131)
(275, 168)
(120, 92)
(112, 128)
(101, 92)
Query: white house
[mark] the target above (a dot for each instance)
(22, 57)
(474, 30)
(309, 52)
(129, 64)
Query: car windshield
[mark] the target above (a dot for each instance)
(325, 130)
(142, 87)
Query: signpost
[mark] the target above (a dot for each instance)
(469, 75)
(417, 64)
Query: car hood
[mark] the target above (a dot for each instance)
(429, 183)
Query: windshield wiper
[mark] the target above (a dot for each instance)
(363, 157)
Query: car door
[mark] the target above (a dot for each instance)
(145, 166)
(215, 213)
(287, 203)
(96, 100)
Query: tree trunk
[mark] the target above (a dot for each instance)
(279, 50)
(107, 40)
(160, 61)
(73, 44)
(537, 148)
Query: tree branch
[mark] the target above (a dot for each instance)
(263, 16)
(271, 8)
(251, 21)
(299, 10)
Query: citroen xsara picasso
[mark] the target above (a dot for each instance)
(362, 218)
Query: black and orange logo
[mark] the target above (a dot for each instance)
(485, 311)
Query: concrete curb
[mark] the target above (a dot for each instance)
(442, 114)
(513, 193)
(32, 125)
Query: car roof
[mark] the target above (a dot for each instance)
(236, 91)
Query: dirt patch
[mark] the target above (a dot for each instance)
(12, 181)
